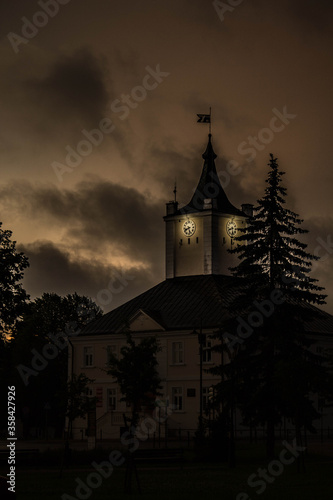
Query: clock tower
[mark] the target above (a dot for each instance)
(199, 234)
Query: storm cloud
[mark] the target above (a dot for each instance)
(94, 216)
(55, 270)
(107, 212)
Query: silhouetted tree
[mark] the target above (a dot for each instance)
(135, 370)
(13, 297)
(78, 402)
(276, 371)
(39, 353)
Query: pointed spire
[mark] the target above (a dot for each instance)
(209, 187)
(209, 154)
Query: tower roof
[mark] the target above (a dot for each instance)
(209, 187)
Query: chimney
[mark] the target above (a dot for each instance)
(171, 207)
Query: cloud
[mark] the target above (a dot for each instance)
(46, 102)
(311, 16)
(74, 89)
(320, 228)
(264, 55)
(320, 243)
(54, 270)
(96, 217)
(307, 16)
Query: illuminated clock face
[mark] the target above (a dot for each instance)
(231, 228)
(189, 227)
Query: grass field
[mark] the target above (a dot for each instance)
(194, 481)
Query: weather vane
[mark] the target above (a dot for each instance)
(206, 119)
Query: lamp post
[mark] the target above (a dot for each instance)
(67, 451)
(201, 340)
(70, 421)
(231, 454)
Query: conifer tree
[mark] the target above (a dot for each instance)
(271, 255)
(273, 309)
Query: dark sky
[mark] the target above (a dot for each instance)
(94, 222)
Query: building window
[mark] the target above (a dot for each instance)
(188, 240)
(112, 399)
(111, 350)
(205, 400)
(177, 353)
(177, 398)
(89, 392)
(88, 356)
(197, 240)
(207, 352)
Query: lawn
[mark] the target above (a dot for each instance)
(195, 481)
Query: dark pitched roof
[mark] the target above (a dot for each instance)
(177, 303)
(182, 303)
(323, 324)
(210, 187)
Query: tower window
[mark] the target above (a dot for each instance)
(188, 240)
(197, 240)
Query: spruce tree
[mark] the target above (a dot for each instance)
(275, 300)
(271, 255)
